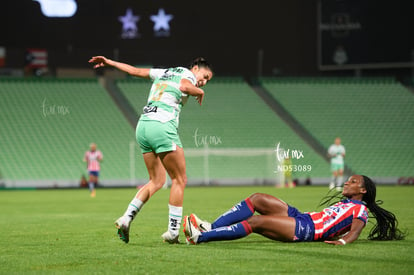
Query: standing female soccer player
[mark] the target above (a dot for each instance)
(336, 153)
(157, 136)
(93, 157)
(338, 224)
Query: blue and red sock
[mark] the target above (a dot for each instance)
(235, 231)
(240, 212)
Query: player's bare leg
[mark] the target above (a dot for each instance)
(274, 227)
(340, 180)
(174, 163)
(157, 176)
(334, 179)
(266, 204)
(92, 183)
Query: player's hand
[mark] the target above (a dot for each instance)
(100, 61)
(334, 242)
(200, 98)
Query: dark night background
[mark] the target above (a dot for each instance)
(228, 33)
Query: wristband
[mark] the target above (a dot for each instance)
(342, 241)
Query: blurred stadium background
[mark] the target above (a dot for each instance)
(288, 74)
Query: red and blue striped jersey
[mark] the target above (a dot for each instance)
(337, 219)
(93, 158)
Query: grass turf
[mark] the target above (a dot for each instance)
(66, 231)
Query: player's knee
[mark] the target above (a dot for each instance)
(256, 198)
(184, 179)
(159, 181)
(156, 186)
(179, 178)
(255, 223)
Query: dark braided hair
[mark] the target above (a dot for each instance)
(201, 63)
(386, 227)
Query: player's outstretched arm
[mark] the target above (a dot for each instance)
(353, 234)
(101, 61)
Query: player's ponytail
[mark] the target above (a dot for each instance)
(386, 227)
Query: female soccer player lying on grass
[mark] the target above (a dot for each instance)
(338, 224)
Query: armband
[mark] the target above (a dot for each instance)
(342, 241)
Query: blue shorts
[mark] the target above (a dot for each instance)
(94, 173)
(305, 228)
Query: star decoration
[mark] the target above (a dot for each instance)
(129, 21)
(161, 20)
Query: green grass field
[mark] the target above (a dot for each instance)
(66, 231)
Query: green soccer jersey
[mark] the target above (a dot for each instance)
(165, 98)
(337, 152)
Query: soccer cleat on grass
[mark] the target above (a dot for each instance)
(168, 238)
(123, 229)
(200, 224)
(190, 231)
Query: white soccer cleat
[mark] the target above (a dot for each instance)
(200, 224)
(123, 228)
(191, 232)
(168, 238)
(331, 186)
